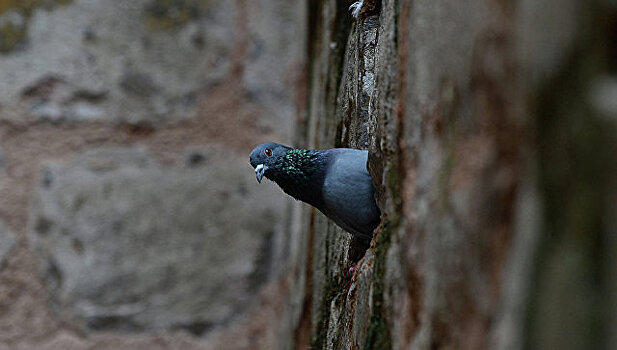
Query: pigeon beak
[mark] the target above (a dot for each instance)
(260, 169)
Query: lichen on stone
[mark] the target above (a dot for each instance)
(378, 335)
(167, 14)
(12, 33)
(14, 18)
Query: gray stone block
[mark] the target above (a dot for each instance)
(127, 244)
(88, 61)
(145, 60)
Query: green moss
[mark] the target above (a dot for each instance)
(393, 181)
(27, 6)
(11, 35)
(449, 104)
(341, 28)
(445, 172)
(378, 335)
(330, 291)
(6, 5)
(14, 33)
(167, 14)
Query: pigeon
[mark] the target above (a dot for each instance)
(335, 181)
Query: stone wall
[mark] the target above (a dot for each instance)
(129, 215)
(491, 135)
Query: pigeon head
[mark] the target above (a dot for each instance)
(290, 168)
(267, 159)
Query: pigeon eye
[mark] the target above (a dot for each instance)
(268, 152)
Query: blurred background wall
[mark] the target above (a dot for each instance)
(129, 215)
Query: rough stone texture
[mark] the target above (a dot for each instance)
(128, 244)
(485, 123)
(193, 84)
(146, 61)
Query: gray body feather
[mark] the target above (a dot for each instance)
(348, 192)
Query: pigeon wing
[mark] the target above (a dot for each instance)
(348, 192)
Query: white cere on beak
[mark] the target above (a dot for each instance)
(260, 169)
